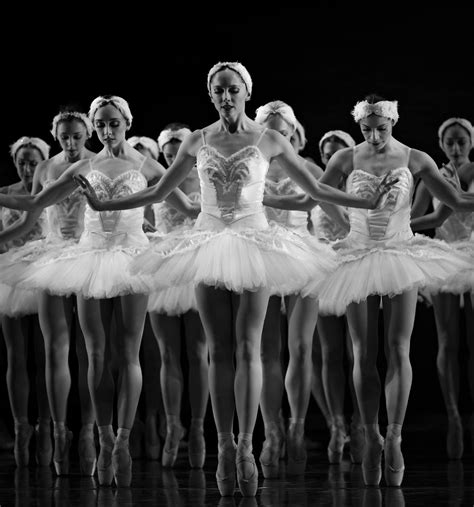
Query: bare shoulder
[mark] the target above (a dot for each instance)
(152, 169)
(342, 160)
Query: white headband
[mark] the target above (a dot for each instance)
(168, 135)
(69, 116)
(118, 102)
(301, 135)
(35, 142)
(386, 108)
(466, 124)
(236, 67)
(276, 107)
(146, 142)
(340, 134)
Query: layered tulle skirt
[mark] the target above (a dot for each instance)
(386, 269)
(96, 266)
(462, 281)
(246, 255)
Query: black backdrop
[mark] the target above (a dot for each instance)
(321, 60)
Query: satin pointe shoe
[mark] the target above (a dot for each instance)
(372, 461)
(174, 435)
(87, 452)
(336, 443)
(196, 448)
(62, 443)
(296, 451)
(394, 466)
(122, 466)
(21, 448)
(248, 484)
(225, 473)
(356, 443)
(272, 450)
(44, 446)
(105, 471)
(455, 438)
(152, 439)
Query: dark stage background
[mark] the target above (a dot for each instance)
(320, 60)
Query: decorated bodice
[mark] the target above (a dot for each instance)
(168, 218)
(289, 218)
(10, 216)
(115, 222)
(65, 219)
(231, 187)
(391, 221)
(458, 225)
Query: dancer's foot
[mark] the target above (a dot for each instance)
(174, 434)
(272, 451)
(296, 449)
(87, 450)
(225, 473)
(44, 446)
(455, 438)
(152, 439)
(62, 443)
(247, 472)
(23, 433)
(372, 460)
(394, 464)
(105, 472)
(196, 447)
(122, 466)
(337, 442)
(356, 443)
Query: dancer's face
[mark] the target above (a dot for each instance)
(377, 130)
(144, 150)
(170, 151)
(328, 150)
(26, 160)
(456, 144)
(72, 136)
(110, 125)
(228, 93)
(278, 123)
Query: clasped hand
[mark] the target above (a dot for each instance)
(382, 189)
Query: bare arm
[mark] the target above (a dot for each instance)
(437, 185)
(421, 201)
(431, 220)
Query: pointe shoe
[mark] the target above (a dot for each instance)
(62, 443)
(44, 447)
(152, 439)
(105, 471)
(122, 466)
(225, 473)
(87, 453)
(174, 435)
(393, 474)
(455, 438)
(271, 454)
(23, 433)
(372, 461)
(336, 443)
(356, 443)
(296, 450)
(196, 448)
(248, 485)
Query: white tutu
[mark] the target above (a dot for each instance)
(386, 269)
(16, 302)
(246, 255)
(173, 301)
(462, 281)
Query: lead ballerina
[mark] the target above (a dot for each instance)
(381, 257)
(232, 256)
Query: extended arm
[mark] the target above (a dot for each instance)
(431, 220)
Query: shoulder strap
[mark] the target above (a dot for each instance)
(260, 137)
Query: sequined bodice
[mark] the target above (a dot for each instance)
(459, 224)
(392, 220)
(231, 187)
(289, 218)
(65, 219)
(118, 221)
(167, 218)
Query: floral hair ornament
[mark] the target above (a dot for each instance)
(70, 116)
(344, 137)
(168, 135)
(30, 142)
(146, 142)
(117, 102)
(276, 107)
(236, 67)
(386, 108)
(462, 122)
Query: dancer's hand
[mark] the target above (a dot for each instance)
(383, 188)
(94, 202)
